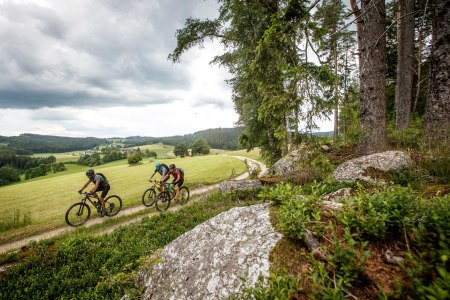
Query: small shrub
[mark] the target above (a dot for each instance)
(345, 267)
(382, 213)
(281, 193)
(275, 287)
(298, 213)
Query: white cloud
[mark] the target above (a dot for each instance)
(100, 68)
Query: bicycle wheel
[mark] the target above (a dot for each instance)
(184, 195)
(162, 201)
(149, 196)
(78, 214)
(113, 205)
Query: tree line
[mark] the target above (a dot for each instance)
(12, 165)
(34, 143)
(218, 138)
(296, 62)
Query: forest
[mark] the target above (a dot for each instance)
(378, 69)
(218, 138)
(34, 143)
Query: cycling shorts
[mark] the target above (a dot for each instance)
(105, 190)
(179, 183)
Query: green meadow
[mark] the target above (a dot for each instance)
(45, 200)
(62, 157)
(163, 151)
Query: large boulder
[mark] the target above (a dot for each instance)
(292, 162)
(229, 186)
(372, 167)
(209, 261)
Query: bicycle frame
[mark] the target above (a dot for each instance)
(87, 196)
(158, 185)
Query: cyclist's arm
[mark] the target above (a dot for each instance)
(153, 175)
(95, 188)
(84, 186)
(165, 176)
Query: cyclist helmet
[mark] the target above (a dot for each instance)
(172, 166)
(158, 164)
(89, 173)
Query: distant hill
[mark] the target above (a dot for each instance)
(323, 134)
(34, 143)
(218, 138)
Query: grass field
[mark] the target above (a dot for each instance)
(46, 199)
(62, 157)
(163, 151)
(254, 154)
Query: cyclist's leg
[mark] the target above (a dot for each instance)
(178, 185)
(105, 191)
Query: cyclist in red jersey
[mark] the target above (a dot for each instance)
(178, 178)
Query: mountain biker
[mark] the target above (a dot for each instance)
(162, 169)
(101, 184)
(178, 178)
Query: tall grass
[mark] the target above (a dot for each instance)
(14, 219)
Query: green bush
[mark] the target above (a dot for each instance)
(411, 137)
(282, 287)
(299, 213)
(281, 193)
(8, 175)
(381, 213)
(37, 172)
(345, 265)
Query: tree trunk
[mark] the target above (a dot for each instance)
(372, 43)
(336, 86)
(437, 115)
(419, 70)
(405, 47)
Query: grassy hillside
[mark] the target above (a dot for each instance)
(46, 200)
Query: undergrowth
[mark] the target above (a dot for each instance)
(377, 219)
(104, 267)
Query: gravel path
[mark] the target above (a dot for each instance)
(251, 163)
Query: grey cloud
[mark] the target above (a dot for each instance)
(79, 53)
(34, 99)
(216, 102)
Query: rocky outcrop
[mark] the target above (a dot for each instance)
(333, 200)
(372, 167)
(291, 162)
(208, 261)
(229, 186)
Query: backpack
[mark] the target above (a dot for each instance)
(181, 171)
(104, 177)
(159, 170)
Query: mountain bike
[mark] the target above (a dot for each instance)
(163, 199)
(149, 196)
(79, 213)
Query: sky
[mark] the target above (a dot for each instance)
(99, 68)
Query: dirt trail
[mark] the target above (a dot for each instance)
(251, 164)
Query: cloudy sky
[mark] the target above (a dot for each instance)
(99, 68)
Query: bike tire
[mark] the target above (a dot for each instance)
(184, 195)
(113, 205)
(162, 201)
(149, 197)
(78, 214)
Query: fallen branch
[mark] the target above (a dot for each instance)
(313, 245)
